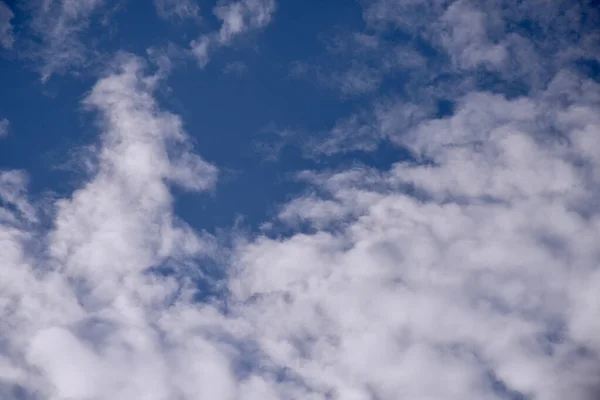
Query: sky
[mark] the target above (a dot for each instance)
(338, 199)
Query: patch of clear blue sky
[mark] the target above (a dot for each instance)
(225, 114)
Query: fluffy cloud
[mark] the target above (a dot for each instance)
(78, 302)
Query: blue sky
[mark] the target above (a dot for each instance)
(236, 115)
(255, 199)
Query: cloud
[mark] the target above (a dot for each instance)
(466, 39)
(83, 287)
(359, 63)
(6, 30)
(4, 123)
(240, 16)
(365, 130)
(468, 272)
(238, 68)
(445, 51)
(177, 9)
(468, 276)
(471, 273)
(237, 18)
(511, 38)
(55, 27)
(273, 141)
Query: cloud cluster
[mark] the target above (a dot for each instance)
(472, 273)
(177, 9)
(446, 50)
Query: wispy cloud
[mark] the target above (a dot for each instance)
(55, 27)
(447, 50)
(237, 18)
(238, 68)
(177, 9)
(6, 29)
(4, 123)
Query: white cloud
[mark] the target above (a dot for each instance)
(455, 46)
(6, 30)
(238, 68)
(478, 283)
(237, 18)
(240, 16)
(365, 130)
(177, 9)
(470, 274)
(466, 39)
(473, 275)
(57, 26)
(505, 47)
(82, 288)
(200, 50)
(4, 123)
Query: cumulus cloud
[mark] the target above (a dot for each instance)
(6, 29)
(237, 18)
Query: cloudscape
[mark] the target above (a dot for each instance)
(261, 200)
